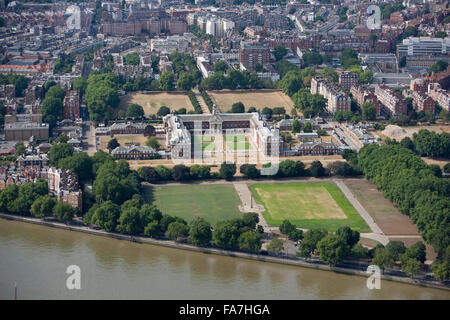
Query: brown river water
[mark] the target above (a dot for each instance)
(36, 257)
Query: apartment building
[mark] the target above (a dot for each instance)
(347, 79)
(253, 53)
(71, 105)
(365, 94)
(439, 95)
(392, 102)
(337, 100)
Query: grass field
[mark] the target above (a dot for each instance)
(152, 102)
(214, 203)
(308, 205)
(258, 99)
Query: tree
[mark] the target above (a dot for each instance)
(369, 111)
(227, 170)
(286, 227)
(440, 34)
(180, 173)
(415, 251)
(177, 230)
(19, 149)
(250, 241)
(152, 229)
(200, 232)
(250, 219)
(279, 52)
(129, 221)
(441, 270)
(296, 127)
(267, 112)
(333, 249)
(106, 216)
(276, 245)
(308, 127)
(316, 169)
(135, 111)
(359, 252)
(407, 143)
(185, 81)
(80, 84)
(330, 74)
(163, 172)
(80, 164)
(310, 104)
(309, 242)
(249, 171)
(438, 67)
(296, 235)
(152, 142)
(220, 65)
(290, 168)
(132, 59)
(112, 144)
(60, 151)
(349, 236)
(166, 81)
(412, 266)
(225, 235)
(290, 83)
(349, 58)
(63, 211)
(200, 172)
(383, 258)
(238, 107)
(312, 58)
(163, 110)
(43, 206)
(397, 248)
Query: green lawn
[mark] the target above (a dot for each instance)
(308, 205)
(212, 202)
(206, 141)
(237, 142)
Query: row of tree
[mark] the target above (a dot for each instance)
(412, 185)
(32, 199)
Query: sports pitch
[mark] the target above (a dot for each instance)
(308, 205)
(214, 203)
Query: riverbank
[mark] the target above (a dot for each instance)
(270, 259)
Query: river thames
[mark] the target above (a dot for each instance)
(36, 257)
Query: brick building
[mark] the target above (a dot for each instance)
(392, 102)
(71, 105)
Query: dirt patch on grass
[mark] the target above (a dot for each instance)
(124, 140)
(258, 99)
(153, 101)
(386, 215)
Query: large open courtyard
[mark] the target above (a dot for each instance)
(307, 205)
(214, 203)
(153, 101)
(225, 142)
(258, 99)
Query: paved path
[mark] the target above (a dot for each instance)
(202, 102)
(248, 204)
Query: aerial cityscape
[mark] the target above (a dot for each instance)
(225, 149)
